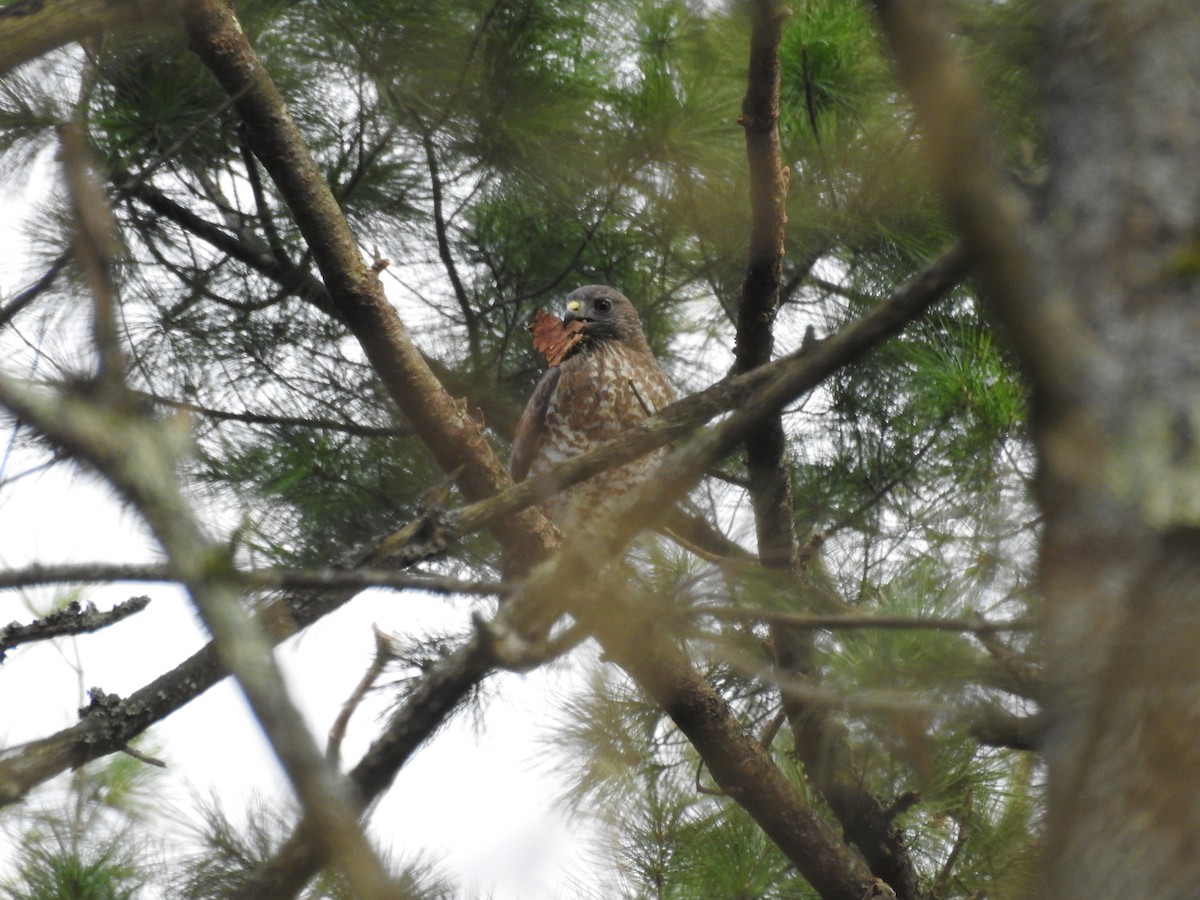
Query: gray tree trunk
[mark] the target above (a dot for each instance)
(1118, 440)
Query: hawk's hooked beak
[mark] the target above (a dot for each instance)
(572, 313)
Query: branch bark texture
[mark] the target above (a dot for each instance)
(71, 619)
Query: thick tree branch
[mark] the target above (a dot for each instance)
(766, 446)
(29, 28)
(456, 441)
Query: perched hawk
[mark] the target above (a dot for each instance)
(607, 382)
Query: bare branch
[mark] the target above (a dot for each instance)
(44, 282)
(71, 619)
(253, 579)
(337, 731)
(251, 418)
(852, 622)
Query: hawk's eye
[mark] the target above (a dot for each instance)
(603, 305)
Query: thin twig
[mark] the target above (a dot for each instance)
(93, 241)
(71, 619)
(252, 579)
(35, 290)
(891, 623)
(337, 731)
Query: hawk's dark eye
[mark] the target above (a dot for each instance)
(603, 305)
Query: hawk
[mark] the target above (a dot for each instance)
(607, 382)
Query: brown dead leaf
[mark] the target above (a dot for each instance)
(553, 338)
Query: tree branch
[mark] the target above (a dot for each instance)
(253, 579)
(29, 28)
(35, 290)
(455, 440)
(289, 277)
(470, 319)
(758, 303)
(819, 742)
(251, 418)
(71, 619)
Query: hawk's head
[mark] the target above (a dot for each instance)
(606, 314)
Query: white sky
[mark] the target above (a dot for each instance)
(478, 800)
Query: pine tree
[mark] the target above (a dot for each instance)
(319, 229)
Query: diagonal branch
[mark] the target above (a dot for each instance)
(29, 28)
(296, 610)
(44, 282)
(456, 441)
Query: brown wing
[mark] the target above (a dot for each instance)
(531, 428)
